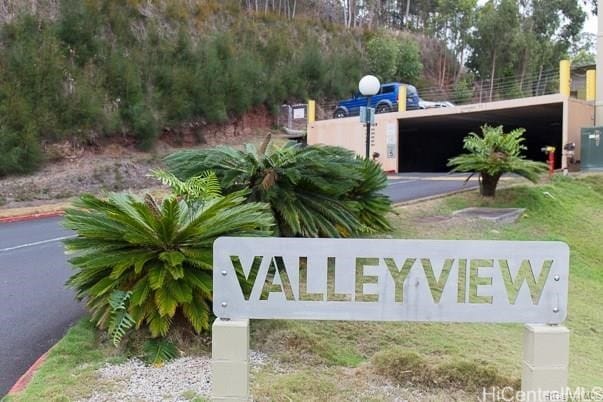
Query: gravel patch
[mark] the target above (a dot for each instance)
(179, 380)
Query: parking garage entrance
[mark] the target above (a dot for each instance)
(426, 143)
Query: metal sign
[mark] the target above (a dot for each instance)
(367, 115)
(299, 112)
(391, 280)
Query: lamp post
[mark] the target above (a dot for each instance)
(368, 86)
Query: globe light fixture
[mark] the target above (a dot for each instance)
(368, 86)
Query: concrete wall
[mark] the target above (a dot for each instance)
(577, 114)
(349, 133)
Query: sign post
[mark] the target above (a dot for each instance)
(394, 280)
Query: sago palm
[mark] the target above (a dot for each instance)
(493, 154)
(314, 191)
(158, 252)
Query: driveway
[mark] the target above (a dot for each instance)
(412, 186)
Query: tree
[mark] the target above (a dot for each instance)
(408, 63)
(494, 153)
(383, 53)
(550, 28)
(452, 23)
(314, 191)
(583, 51)
(159, 254)
(522, 38)
(494, 38)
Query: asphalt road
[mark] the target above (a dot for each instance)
(413, 186)
(36, 308)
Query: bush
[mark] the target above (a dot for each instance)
(383, 54)
(393, 59)
(494, 153)
(408, 64)
(144, 125)
(161, 252)
(463, 92)
(21, 153)
(78, 27)
(316, 191)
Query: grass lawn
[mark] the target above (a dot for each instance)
(339, 361)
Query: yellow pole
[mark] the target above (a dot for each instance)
(564, 77)
(402, 98)
(311, 111)
(591, 85)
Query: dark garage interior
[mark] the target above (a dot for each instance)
(426, 143)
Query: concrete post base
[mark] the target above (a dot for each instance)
(230, 360)
(545, 362)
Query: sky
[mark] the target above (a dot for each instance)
(590, 25)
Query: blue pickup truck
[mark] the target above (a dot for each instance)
(385, 101)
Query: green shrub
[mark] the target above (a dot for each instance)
(144, 125)
(21, 152)
(312, 71)
(343, 68)
(78, 26)
(494, 153)
(408, 64)
(383, 53)
(314, 191)
(160, 252)
(463, 92)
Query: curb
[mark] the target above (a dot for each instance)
(29, 217)
(432, 197)
(501, 186)
(24, 380)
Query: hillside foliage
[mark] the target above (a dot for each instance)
(86, 70)
(105, 68)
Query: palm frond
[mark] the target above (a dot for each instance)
(315, 191)
(156, 254)
(121, 321)
(203, 186)
(159, 351)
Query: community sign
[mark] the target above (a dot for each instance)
(390, 280)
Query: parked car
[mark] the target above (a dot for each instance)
(423, 104)
(385, 101)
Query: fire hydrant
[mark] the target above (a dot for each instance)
(550, 151)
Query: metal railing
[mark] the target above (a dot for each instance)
(479, 91)
(544, 82)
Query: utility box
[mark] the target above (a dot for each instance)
(591, 150)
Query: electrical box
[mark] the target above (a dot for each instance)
(591, 149)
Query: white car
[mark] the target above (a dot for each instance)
(423, 104)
